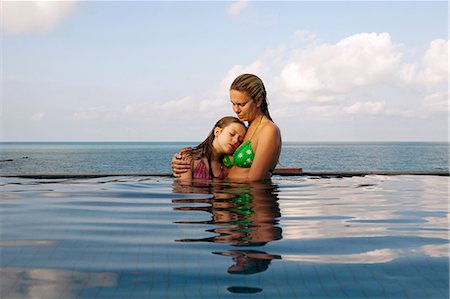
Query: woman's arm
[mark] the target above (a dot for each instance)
(180, 165)
(186, 159)
(267, 153)
(185, 176)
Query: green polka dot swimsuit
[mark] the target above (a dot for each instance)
(244, 155)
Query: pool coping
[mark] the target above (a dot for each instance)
(281, 172)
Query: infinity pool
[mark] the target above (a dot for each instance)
(153, 237)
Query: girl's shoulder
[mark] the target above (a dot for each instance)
(186, 151)
(187, 155)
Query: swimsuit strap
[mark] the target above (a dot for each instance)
(211, 173)
(260, 120)
(211, 170)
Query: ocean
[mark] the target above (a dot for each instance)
(154, 157)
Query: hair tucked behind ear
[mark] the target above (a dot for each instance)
(204, 149)
(253, 86)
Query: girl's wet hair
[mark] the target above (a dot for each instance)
(204, 149)
(253, 86)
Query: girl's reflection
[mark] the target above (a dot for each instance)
(247, 215)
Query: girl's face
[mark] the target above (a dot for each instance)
(243, 105)
(228, 139)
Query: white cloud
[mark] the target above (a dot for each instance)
(436, 61)
(219, 104)
(329, 98)
(364, 108)
(141, 111)
(27, 16)
(437, 101)
(92, 113)
(183, 104)
(408, 74)
(304, 35)
(283, 112)
(264, 67)
(327, 80)
(359, 60)
(322, 111)
(432, 70)
(38, 116)
(224, 86)
(321, 72)
(180, 109)
(237, 7)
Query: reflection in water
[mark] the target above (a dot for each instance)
(244, 290)
(248, 261)
(247, 215)
(50, 283)
(14, 243)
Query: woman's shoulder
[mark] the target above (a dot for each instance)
(269, 133)
(269, 128)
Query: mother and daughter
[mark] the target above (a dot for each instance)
(232, 151)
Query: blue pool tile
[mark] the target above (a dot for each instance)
(106, 293)
(88, 293)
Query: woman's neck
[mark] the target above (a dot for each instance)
(256, 119)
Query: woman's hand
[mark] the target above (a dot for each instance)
(180, 165)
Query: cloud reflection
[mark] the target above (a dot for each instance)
(50, 283)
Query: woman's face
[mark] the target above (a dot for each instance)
(243, 105)
(229, 138)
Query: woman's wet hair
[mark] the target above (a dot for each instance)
(204, 149)
(253, 86)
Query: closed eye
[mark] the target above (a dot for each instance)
(239, 104)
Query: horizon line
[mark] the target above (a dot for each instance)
(194, 141)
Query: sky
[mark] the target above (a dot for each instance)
(161, 71)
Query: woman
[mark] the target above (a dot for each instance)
(206, 158)
(256, 158)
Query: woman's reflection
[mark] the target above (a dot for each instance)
(245, 215)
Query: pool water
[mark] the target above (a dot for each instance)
(154, 237)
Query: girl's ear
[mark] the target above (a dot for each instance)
(217, 131)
